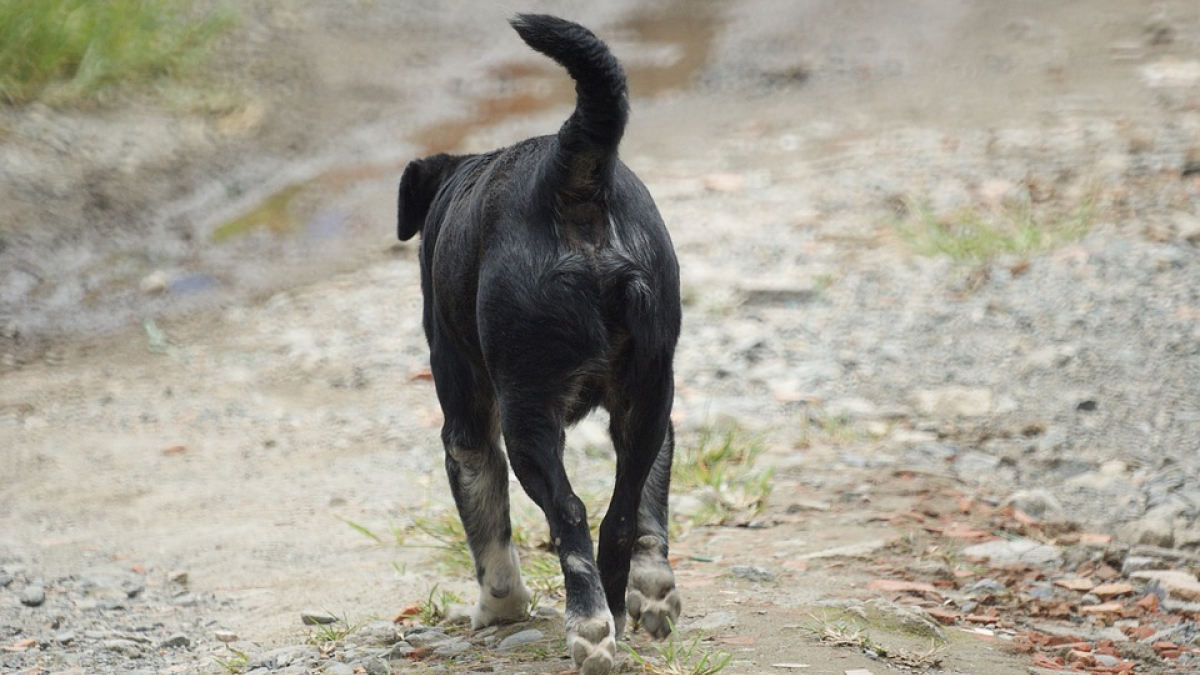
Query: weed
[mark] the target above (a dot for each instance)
(436, 607)
(236, 663)
(976, 236)
(157, 340)
(840, 429)
(841, 632)
(362, 529)
(676, 656)
(543, 573)
(68, 50)
(720, 465)
(451, 541)
(328, 634)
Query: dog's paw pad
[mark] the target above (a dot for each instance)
(656, 614)
(593, 646)
(491, 610)
(652, 600)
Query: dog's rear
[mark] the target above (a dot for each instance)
(551, 288)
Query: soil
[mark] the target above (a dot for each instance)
(213, 376)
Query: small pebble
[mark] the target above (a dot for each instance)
(33, 595)
(375, 666)
(312, 618)
(399, 650)
(425, 638)
(452, 648)
(123, 647)
(520, 639)
(177, 640)
(752, 573)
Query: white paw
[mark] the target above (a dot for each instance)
(491, 610)
(652, 600)
(593, 645)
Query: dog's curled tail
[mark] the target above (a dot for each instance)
(588, 140)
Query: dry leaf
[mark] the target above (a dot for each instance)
(943, 616)
(1103, 608)
(901, 586)
(1081, 585)
(1148, 603)
(1113, 590)
(407, 613)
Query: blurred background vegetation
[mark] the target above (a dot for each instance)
(70, 52)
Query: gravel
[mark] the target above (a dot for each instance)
(1064, 383)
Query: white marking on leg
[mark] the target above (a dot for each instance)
(503, 596)
(578, 564)
(592, 643)
(484, 480)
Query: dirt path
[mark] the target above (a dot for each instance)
(182, 490)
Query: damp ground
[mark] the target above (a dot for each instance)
(213, 362)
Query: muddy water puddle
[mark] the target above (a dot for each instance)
(335, 216)
(662, 51)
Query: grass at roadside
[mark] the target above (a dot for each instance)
(977, 235)
(719, 468)
(848, 629)
(678, 656)
(66, 51)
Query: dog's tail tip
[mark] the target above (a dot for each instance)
(601, 106)
(538, 27)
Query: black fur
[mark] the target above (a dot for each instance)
(551, 288)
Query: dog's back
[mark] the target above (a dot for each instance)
(566, 242)
(551, 288)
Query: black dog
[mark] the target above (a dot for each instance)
(551, 288)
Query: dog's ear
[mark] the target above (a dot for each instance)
(414, 200)
(418, 186)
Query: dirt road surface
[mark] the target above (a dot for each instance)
(214, 409)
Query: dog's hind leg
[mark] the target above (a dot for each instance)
(534, 437)
(654, 602)
(478, 477)
(633, 536)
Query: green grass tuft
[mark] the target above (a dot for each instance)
(720, 467)
(64, 51)
(436, 607)
(975, 235)
(677, 656)
(326, 635)
(236, 663)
